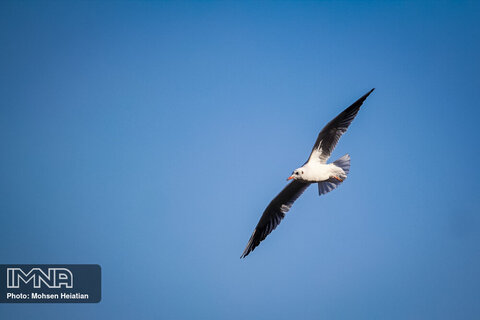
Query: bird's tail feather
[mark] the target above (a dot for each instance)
(332, 183)
(344, 163)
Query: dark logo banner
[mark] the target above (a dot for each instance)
(50, 283)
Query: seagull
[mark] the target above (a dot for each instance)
(328, 176)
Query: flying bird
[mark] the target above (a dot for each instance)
(328, 176)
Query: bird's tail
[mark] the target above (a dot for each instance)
(332, 183)
(344, 163)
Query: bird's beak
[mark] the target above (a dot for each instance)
(290, 178)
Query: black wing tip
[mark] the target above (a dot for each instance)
(246, 253)
(360, 101)
(367, 94)
(250, 245)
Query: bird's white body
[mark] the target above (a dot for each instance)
(315, 171)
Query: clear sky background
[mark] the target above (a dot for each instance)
(148, 137)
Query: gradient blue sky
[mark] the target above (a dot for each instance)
(148, 137)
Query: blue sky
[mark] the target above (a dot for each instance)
(148, 137)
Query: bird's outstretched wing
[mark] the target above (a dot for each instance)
(274, 213)
(327, 138)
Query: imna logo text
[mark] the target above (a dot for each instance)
(53, 278)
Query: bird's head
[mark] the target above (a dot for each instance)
(297, 174)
